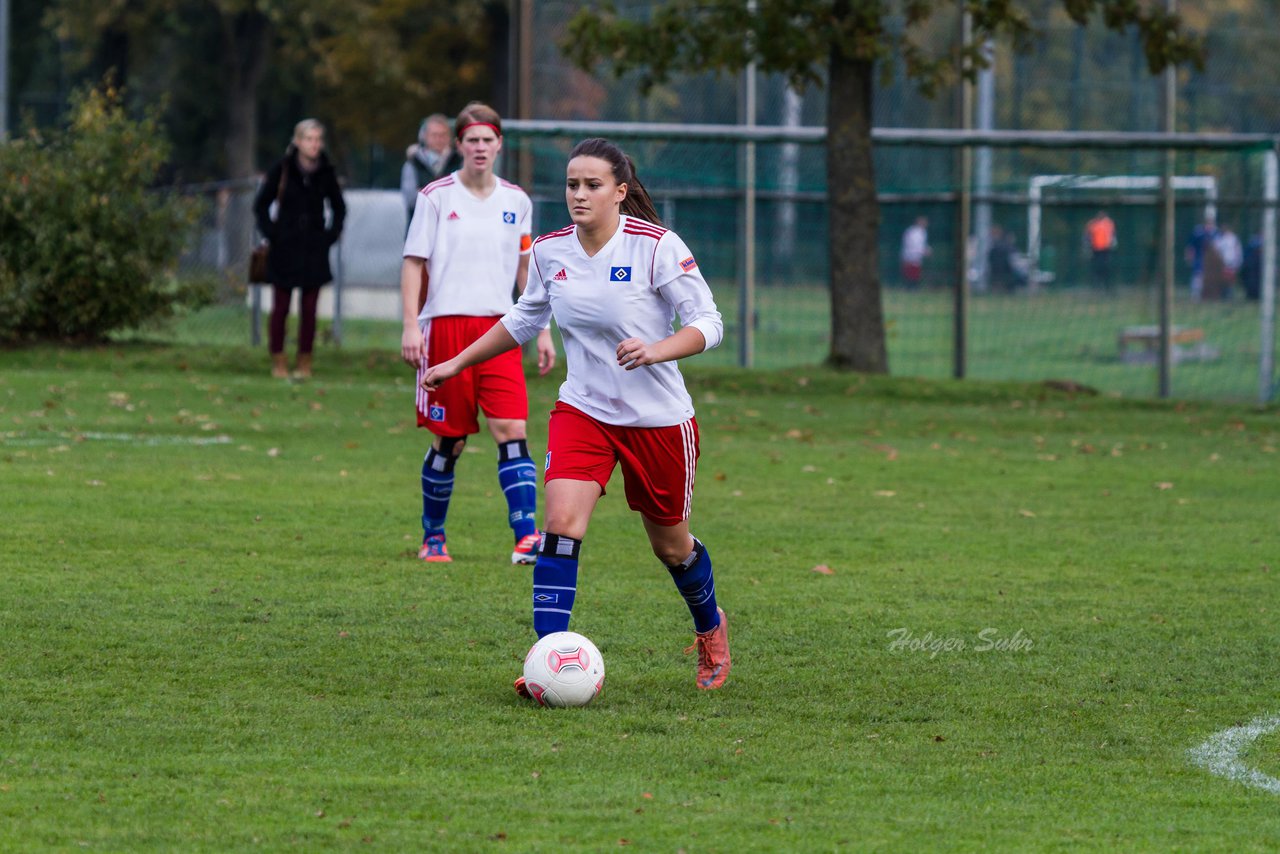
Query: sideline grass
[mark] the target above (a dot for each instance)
(1055, 334)
(216, 637)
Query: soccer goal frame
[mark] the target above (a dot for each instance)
(1206, 184)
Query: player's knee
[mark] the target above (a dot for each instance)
(450, 446)
(670, 553)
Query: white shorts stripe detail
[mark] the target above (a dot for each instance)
(690, 464)
(421, 398)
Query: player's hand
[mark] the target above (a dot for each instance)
(411, 349)
(632, 353)
(546, 352)
(437, 374)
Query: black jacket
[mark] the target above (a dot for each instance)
(300, 242)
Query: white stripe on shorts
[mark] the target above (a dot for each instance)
(690, 464)
(421, 398)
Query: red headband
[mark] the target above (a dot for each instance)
(463, 129)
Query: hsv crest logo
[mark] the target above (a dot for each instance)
(688, 264)
(509, 217)
(454, 215)
(620, 274)
(435, 413)
(562, 276)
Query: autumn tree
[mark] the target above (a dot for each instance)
(373, 68)
(837, 44)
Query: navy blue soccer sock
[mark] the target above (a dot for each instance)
(437, 488)
(697, 585)
(555, 583)
(518, 477)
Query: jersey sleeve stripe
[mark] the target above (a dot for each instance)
(436, 184)
(655, 233)
(563, 232)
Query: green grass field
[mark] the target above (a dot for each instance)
(1056, 334)
(217, 638)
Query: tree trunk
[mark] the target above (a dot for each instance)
(857, 317)
(245, 44)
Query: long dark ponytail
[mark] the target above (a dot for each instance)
(636, 203)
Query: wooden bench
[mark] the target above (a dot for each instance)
(1142, 343)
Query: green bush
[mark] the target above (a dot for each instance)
(87, 247)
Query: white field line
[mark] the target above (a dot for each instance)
(131, 438)
(1221, 753)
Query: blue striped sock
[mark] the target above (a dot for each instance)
(555, 584)
(437, 488)
(697, 585)
(518, 477)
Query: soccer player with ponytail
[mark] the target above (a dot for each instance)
(615, 280)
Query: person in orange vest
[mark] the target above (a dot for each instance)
(1100, 238)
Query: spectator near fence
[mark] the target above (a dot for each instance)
(1251, 268)
(298, 185)
(1100, 239)
(1229, 250)
(432, 156)
(1199, 244)
(915, 248)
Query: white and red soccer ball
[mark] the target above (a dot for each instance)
(564, 669)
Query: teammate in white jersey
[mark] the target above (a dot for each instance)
(468, 246)
(615, 281)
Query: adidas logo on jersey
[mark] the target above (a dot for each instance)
(562, 276)
(454, 215)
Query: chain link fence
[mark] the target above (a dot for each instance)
(1040, 309)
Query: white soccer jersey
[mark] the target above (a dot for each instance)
(632, 288)
(472, 246)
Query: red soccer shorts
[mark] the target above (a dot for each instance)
(658, 463)
(495, 387)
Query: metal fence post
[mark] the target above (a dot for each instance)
(1266, 358)
(337, 297)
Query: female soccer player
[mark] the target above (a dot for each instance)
(469, 242)
(614, 280)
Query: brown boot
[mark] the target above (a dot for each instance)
(279, 366)
(304, 366)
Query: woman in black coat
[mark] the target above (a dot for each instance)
(300, 237)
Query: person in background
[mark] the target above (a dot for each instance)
(1251, 268)
(471, 233)
(1198, 245)
(431, 157)
(615, 281)
(915, 248)
(1232, 255)
(1100, 240)
(300, 235)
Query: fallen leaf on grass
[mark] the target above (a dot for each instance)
(1164, 484)
(1027, 513)
(885, 493)
(823, 569)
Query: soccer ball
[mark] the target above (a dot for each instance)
(564, 669)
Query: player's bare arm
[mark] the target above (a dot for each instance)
(497, 340)
(546, 346)
(411, 343)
